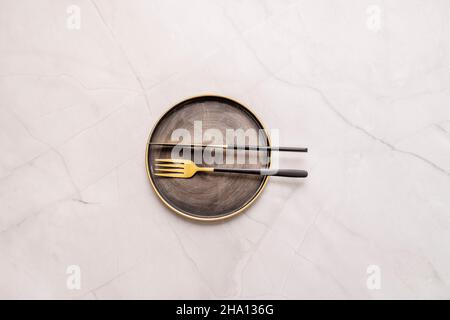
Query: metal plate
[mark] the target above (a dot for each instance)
(207, 196)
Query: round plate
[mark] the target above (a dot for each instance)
(207, 196)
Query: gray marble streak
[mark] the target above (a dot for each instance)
(370, 98)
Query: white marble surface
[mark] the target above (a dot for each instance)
(368, 96)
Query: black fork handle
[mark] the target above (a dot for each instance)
(268, 172)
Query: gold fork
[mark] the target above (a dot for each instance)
(182, 168)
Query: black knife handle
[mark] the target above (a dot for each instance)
(265, 148)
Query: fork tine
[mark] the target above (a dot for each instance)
(170, 170)
(166, 165)
(171, 160)
(170, 175)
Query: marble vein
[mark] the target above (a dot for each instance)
(124, 54)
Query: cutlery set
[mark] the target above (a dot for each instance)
(230, 189)
(182, 168)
